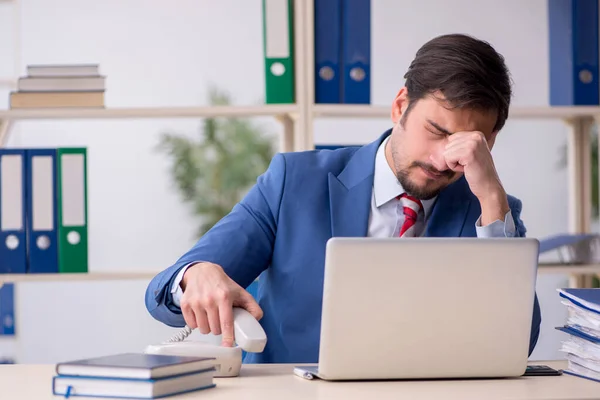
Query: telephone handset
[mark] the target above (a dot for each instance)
(248, 336)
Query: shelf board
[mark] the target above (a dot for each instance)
(544, 268)
(148, 112)
(6, 82)
(350, 110)
(556, 112)
(131, 275)
(369, 111)
(319, 111)
(90, 276)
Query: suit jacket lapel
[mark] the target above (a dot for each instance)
(450, 211)
(350, 192)
(349, 207)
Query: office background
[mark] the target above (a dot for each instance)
(159, 53)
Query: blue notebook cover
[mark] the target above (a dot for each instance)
(134, 366)
(576, 332)
(566, 371)
(588, 299)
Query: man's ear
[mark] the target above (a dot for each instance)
(399, 105)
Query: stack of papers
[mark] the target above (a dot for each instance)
(582, 347)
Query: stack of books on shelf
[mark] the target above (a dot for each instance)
(60, 86)
(133, 375)
(582, 346)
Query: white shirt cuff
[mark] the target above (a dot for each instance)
(176, 290)
(497, 228)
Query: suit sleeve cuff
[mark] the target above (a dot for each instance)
(497, 228)
(176, 291)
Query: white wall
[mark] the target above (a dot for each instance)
(157, 53)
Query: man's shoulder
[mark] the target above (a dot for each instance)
(327, 160)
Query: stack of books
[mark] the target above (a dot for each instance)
(582, 347)
(60, 86)
(133, 375)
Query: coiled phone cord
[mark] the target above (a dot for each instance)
(181, 335)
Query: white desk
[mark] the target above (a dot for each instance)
(276, 382)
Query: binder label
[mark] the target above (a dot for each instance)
(277, 40)
(11, 189)
(43, 194)
(73, 190)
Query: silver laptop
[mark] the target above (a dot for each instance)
(426, 308)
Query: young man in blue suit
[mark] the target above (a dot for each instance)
(432, 174)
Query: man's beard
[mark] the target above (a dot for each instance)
(427, 191)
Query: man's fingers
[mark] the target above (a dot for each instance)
(189, 317)
(247, 302)
(213, 320)
(226, 314)
(201, 321)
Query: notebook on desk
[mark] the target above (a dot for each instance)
(134, 366)
(133, 375)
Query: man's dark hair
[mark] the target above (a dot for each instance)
(467, 71)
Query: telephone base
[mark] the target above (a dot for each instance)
(228, 360)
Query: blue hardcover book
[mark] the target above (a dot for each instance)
(573, 37)
(42, 208)
(356, 51)
(68, 386)
(328, 48)
(134, 366)
(13, 244)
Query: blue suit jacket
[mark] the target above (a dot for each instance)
(280, 230)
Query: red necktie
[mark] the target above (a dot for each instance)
(410, 207)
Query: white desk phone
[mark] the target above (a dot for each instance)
(248, 336)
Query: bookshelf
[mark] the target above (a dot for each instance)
(298, 121)
(90, 276)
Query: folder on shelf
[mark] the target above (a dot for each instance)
(572, 248)
(13, 240)
(356, 51)
(72, 210)
(7, 310)
(278, 35)
(573, 36)
(42, 236)
(328, 47)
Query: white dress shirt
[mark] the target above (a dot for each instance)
(384, 220)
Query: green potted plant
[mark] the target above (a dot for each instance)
(213, 173)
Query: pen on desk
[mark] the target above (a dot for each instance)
(302, 374)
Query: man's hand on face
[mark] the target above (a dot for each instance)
(468, 152)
